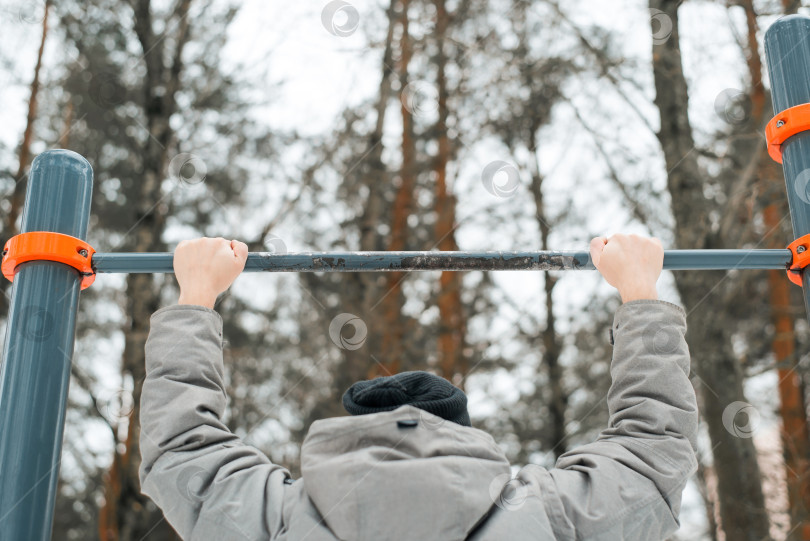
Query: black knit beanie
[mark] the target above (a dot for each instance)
(421, 390)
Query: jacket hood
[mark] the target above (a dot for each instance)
(404, 474)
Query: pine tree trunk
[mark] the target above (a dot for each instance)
(452, 327)
(392, 347)
(791, 6)
(740, 497)
(794, 433)
(18, 195)
(791, 393)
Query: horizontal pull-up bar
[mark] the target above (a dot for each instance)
(77, 253)
(445, 261)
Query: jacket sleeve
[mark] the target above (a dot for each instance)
(628, 483)
(209, 484)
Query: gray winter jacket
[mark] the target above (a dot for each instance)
(407, 474)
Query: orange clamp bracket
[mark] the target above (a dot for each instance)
(800, 248)
(49, 246)
(786, 124)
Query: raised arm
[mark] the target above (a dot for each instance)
(628, 484)
(209, 484)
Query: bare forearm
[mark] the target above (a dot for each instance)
(207, 299)
(639, 292)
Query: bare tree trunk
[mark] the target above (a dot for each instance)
(18, 194)
(133, 519)
(373, 212)
(64, 136)
(452, 327)
(372, 285)
(392, 346)
(708, 498)
(17, 197)
(364, 290)
(794, 432)
(791, 393)
(791, 6)
(552, 347)
(741, 501)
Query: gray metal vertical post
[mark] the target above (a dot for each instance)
(38, 350)
(787, 49)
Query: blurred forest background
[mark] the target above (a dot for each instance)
(419, 125)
